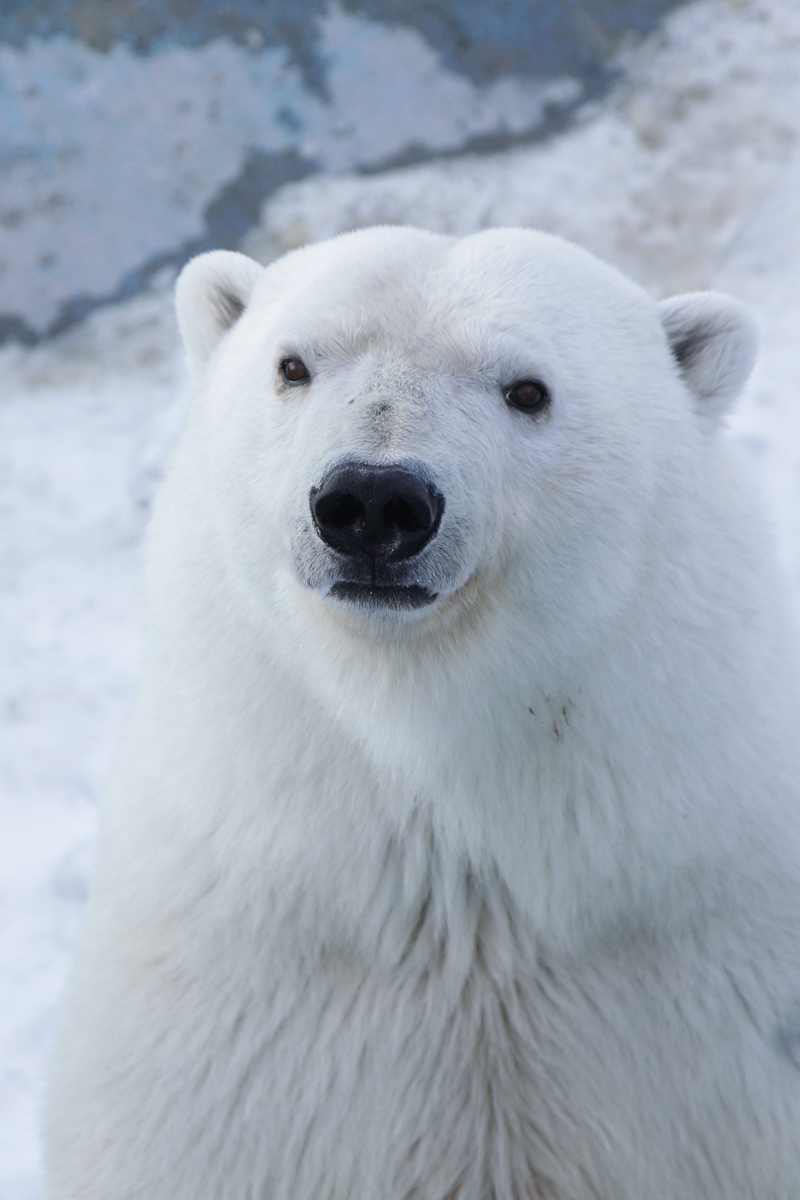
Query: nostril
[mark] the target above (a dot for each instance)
(340, 511)
(410, 518)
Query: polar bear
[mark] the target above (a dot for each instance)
(452, 852)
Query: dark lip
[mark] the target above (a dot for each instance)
(388, 596)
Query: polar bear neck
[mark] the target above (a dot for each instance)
(562, 793)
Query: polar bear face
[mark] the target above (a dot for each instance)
(401, 424)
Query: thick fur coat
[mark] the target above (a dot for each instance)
(472, 874)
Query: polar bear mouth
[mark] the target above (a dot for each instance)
(375, 595)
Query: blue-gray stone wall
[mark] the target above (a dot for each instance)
(135, 133)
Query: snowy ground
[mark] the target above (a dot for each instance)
(687, 176)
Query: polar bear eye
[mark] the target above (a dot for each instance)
(528, 395)
(294, 370)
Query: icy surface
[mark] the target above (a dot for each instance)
(688, 176)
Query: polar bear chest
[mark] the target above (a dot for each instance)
(271, 1076)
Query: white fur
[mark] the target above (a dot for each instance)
(498, 898)
(714, 341)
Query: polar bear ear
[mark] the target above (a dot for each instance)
(714, 340)
(211, 294)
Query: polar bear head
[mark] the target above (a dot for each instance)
(405, 426)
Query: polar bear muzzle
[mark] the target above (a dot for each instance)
(374, 516)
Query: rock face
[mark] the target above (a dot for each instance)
(134, 136)
(453, 848)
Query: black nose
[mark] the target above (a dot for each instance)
(386, 513)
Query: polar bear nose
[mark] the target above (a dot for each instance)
(386, 513)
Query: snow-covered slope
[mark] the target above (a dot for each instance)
(687, 176)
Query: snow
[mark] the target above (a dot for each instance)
(83, 428)
(686, 176)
